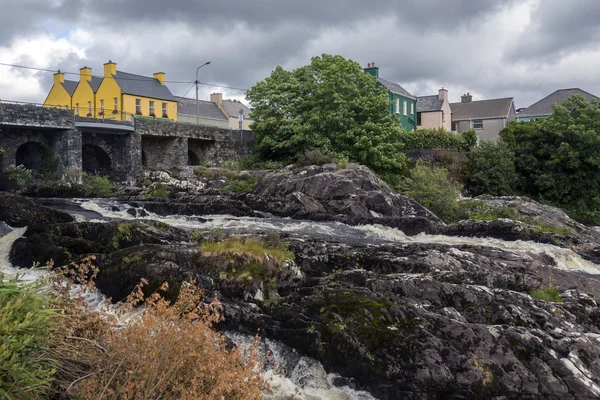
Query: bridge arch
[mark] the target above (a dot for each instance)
(193, 158)
(32, 155)
(95, 160)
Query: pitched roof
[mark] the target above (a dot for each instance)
(544, 106)
(233, 108)
(144, 86)
(95, 83)
(70, 86)
(429, 103)
(395, 88)
(493, 108)
(206, 109)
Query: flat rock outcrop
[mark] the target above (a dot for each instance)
(18, 211)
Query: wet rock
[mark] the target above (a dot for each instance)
(18, 211)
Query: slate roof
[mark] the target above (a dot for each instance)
(395, 88)
(493, 108)
(233, 108)
(544, 106)
(95, 83)
(429, 103)
(143, 86)
(70, 86)
(207, 109)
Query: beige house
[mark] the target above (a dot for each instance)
(487, 117)
(236, 112)
(433, 112)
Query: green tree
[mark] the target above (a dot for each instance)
(491, 170)
(559, 157)
(330, 105)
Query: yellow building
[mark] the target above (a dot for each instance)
(116, 95)
(61, 92)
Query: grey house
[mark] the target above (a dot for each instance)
(487, 117)
(543, 108)
(208, 112)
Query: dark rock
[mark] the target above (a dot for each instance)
(142, 213)
(132, 212)
(115, 209)
(18, 211)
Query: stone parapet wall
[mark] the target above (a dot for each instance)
(28, 115)
(182, 129)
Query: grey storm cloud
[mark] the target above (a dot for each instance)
(559, 28)
(421, 44)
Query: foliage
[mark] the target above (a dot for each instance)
(252, 161)
(483, 211)
(97, 185)
(248, 258)
(244, 183)
(558, 157)
(158, 191)
(438, 138)
(431, 186)
(314, 157)
(25, 322)
(330, 105)
(21, 175)
(546, 294)
(491, 170)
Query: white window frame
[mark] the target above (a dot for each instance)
(116, 104)
(76, 108)
(405, 107)
(102, 106)
(478, 121)
(151, 106)
(397, 106)
(89, 107)
(412, 108)
(138, 106)
(164, 109)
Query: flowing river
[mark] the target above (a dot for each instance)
(305, 378)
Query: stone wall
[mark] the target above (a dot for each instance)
(124, 151)
(35, 116)
(181, 129)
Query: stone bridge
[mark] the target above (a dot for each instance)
(41, 137)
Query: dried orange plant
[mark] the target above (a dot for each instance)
(169, 351)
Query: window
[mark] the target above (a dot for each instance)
(478, 123)
(404, 107)
(138, 106)
(115, 104)
(397, 106)
(151, 107)
(454, 126)
(418, 118)
(412, 108)
(164, 110)
(89, 108)
(76, 108)
(101, 107)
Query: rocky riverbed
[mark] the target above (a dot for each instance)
(379, 290)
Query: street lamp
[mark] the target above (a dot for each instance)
(198, 104)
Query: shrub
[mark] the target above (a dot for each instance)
(158, 191)
(491, 170)
(438, 138)
(431, 187)
(21, 175)
(244, 183)
(25, 322)
(314, 157)
(482, 211)
(97, 185)
(546, 294)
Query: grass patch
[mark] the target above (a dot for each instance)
(244, 183)
(158, 191)
(549, 228)
(482, 211)
(546, 294)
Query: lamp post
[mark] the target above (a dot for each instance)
(198, 104)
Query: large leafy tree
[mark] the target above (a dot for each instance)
(559, 157)
(330, 105)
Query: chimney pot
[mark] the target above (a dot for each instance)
(373, 64)
(368, 65)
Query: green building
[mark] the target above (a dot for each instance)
(402, 104)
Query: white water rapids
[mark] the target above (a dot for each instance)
(305, 378)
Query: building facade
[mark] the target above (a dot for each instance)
(486, 117)
(543, 108)
(116, 95)
(402, 104)
(434, 112)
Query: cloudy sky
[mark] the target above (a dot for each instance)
(493, 48)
